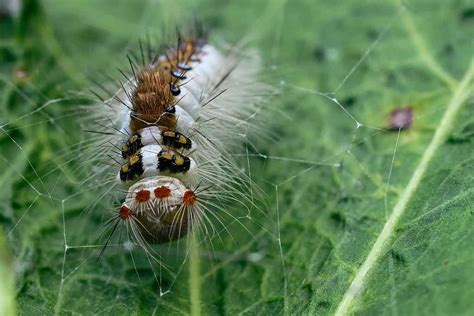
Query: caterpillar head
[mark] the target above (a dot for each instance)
(159, 210)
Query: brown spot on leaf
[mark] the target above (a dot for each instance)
(401, 118)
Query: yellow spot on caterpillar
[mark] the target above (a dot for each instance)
(167, 155)
(134, 159)
(179, 160)
(125, 168)
(133, 139)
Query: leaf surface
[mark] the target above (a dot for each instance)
(359, 219)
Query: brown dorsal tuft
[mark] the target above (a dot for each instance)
(152, 96)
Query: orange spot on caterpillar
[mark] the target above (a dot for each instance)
(142, 196)
(162, 192)
(189, 198)
(125, 213)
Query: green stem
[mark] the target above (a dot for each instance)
(194, 278)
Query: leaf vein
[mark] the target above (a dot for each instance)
(383, 239)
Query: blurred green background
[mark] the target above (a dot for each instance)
(332, 176)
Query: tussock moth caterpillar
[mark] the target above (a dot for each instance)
(175, 121)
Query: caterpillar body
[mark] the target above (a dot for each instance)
(182, 114)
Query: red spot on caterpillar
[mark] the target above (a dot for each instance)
(142, 196)
(125, 213)
(189, 198)
(162, 192)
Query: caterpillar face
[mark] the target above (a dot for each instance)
(160, 209)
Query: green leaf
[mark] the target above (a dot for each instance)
(358, 218)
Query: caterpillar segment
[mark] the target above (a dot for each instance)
(167, 138)
(174, 83)
(153, 160)
(161, 207)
